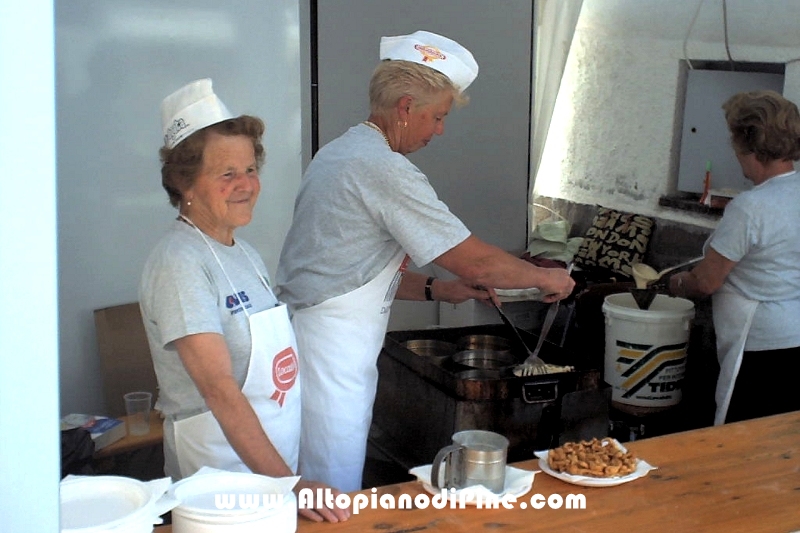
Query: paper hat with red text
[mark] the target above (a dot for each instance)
(435, 51)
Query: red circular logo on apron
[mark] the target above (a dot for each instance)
(284, 373)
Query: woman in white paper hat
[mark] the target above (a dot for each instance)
(362, 212)
(222, 344)
(751, 264)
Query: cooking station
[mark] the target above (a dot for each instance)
(423, 399)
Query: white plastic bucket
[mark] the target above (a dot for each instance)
(232, 502)
(645, 356)
(96, 504)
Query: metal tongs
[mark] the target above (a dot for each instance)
(532, 357)
(534, 365)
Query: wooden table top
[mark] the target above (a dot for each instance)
(737, 477)
(129, 443)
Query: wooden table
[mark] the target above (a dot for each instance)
(130, 443)
(737, 477)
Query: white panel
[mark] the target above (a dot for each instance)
(469, 313)
(116, 60)
(29, 448)
(705, 135)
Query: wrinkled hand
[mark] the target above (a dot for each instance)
(331, 514)
(459, 290)
(558, 286)
(677, 284)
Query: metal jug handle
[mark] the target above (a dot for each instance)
(443, 456)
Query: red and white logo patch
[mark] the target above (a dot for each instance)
(284, 374)
(429, 53)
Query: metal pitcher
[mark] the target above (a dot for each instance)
(476, 457)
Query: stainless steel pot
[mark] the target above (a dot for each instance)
(430, 347)
(484, 342)
(481, 374)
(484, 359)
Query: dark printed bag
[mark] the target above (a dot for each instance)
(614, 242)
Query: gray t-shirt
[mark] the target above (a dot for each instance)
(184, 291)
(360, 204)
(760, 230)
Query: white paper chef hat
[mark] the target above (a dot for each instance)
(435, 51)
(192, 107)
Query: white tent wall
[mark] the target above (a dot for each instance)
(116, 60)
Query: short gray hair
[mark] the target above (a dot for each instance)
(763, 123)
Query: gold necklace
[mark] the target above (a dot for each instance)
(376, 128)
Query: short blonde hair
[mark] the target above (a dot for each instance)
(393, 79)
(763, 123)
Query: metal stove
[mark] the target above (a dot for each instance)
(422, 400)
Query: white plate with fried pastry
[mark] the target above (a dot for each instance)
(637, 468)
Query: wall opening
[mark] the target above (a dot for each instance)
(704, 157)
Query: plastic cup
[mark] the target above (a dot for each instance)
(137, 406)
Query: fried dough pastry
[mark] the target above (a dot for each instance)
(595, 458)
(546, 368)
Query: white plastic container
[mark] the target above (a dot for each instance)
(645, 353)
(96, 504)
(232, 502)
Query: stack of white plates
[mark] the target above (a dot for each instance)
(233, 502)
(98, 504)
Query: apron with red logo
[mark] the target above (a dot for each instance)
(271, 387)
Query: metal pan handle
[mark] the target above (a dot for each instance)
(540, 391)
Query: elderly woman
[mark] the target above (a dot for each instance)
(362, 211)
(223, 346)
(751, 264)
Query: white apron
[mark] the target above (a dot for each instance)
(733, 316)
(339, 342)
(271, 387)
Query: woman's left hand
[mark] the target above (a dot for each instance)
(322, 512)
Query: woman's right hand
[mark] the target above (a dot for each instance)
(321, 513)
(558, 285)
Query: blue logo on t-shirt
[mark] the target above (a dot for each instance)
(234, 300)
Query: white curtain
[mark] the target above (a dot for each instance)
(554, 25)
